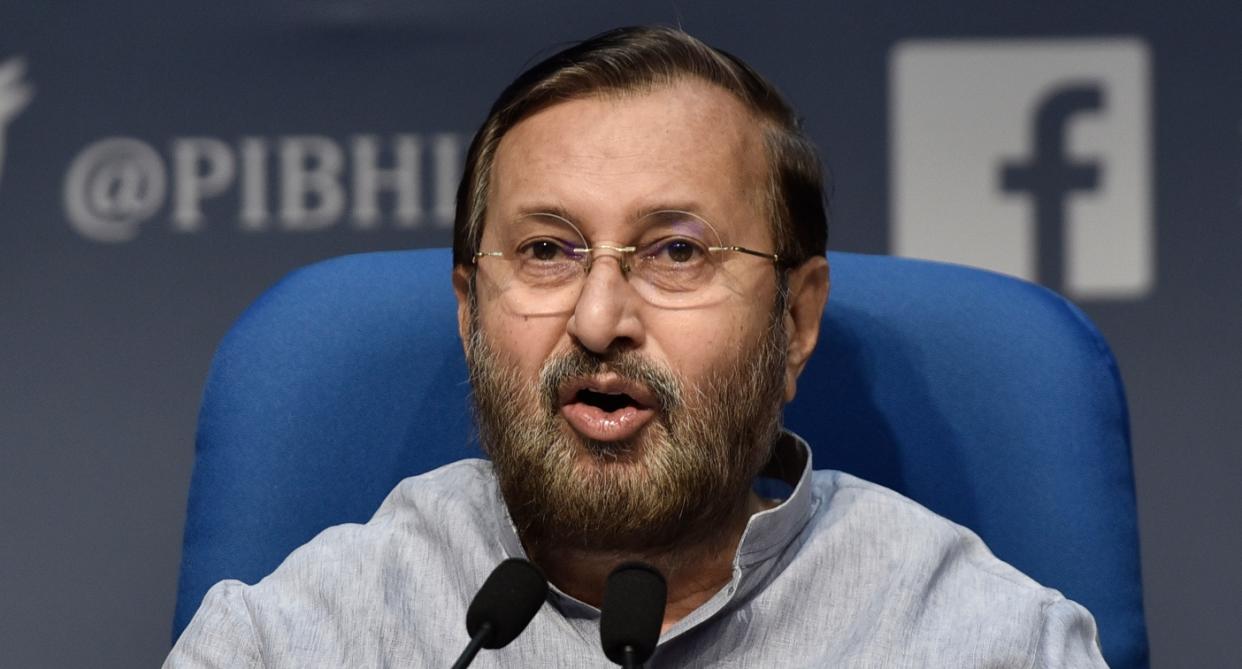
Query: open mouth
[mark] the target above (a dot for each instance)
(606, 402)
(607, 408)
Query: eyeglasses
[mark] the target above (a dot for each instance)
(678, 262)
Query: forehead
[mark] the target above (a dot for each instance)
(607, 159)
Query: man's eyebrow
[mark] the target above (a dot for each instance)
(543, 208)
(674, 205)
(535, 209)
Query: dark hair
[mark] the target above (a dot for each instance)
(639, 59)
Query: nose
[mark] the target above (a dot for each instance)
(607, 312)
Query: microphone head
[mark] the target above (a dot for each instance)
(508, 600)
(633, 612)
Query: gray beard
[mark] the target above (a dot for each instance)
(674, 486)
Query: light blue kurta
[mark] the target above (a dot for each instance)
(843, 573)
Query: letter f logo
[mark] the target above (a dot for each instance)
(1048, 176)
(14, 96)
(1030, 157)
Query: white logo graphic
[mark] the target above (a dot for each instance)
(1026, 157)
(14, 96)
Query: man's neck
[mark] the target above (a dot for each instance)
(694, 573)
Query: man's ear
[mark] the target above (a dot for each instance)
(461, 288)
(808, 293)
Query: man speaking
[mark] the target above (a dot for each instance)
(640, 274)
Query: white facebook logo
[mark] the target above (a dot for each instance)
(1028, 157)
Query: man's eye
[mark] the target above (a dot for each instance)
(680, 251)
(544, 249)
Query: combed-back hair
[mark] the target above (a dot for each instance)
(638, 59)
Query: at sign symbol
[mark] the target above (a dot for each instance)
(112, 186)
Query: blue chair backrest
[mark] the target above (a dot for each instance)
(989, 400)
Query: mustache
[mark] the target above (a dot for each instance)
(632, 366)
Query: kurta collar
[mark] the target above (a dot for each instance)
(767, 534)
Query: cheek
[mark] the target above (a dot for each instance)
(695, 343)
(524, 341)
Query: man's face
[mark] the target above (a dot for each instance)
(617, 423)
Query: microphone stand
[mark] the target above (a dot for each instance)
(628, 658)
(472, 649)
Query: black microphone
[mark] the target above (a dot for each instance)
(503, 607)
(629, 623)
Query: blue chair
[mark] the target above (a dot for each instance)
(991, 401)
